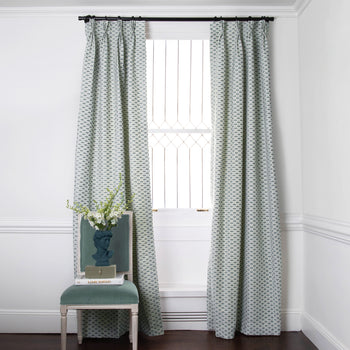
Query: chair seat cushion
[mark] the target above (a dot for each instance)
(101, 295)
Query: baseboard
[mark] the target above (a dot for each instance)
(35, 321)
(319, 335)
(48, 321)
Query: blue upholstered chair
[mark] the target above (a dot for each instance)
(85, 297)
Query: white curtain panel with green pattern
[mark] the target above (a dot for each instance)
(244, 275)
(112, 139)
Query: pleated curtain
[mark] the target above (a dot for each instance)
(244, 275)
(112, 139)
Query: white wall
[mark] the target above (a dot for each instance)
(40, 69)
(324, 32)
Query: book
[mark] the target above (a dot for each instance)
(82, 281)
(101, 271)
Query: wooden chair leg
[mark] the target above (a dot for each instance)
(134, 329)
(130, 326)
(79, 327)
(63, 327)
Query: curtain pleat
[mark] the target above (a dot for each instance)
(112, 139)
(244, 274)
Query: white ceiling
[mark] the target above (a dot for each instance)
(129, 3)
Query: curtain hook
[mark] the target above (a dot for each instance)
(222, 28)
(265, 27)
(133, 25)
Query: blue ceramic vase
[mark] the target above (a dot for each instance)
(101, 241)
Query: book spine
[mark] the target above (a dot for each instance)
(87, 281)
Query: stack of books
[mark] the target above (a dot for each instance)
(81, 280)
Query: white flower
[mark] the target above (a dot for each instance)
(99, 217)
(114, 222)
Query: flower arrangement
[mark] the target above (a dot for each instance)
(107, 214)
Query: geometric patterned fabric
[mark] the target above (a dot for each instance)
(112, 139)
(244, 275)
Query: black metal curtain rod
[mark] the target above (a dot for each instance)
(173, 19)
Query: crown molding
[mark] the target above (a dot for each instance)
(155, 11)
(300, 6)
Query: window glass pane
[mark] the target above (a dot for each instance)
(179, 122)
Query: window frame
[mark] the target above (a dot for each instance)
(179, 31)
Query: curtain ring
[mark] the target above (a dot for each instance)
(265, 28)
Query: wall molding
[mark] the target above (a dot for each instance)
(48, 321)
(319, 335)
(35, 321)
(327, 228)
(291, 222)
(335, 230)
(300, 6)
(175, 11)
(23, 225)
(324, 227)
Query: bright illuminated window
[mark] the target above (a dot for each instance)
(179, 122)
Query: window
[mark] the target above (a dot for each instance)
(179, 122)
(179, 131)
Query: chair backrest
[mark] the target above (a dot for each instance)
(121, 244)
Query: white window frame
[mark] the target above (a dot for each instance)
(179, 31)
(180, 228)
